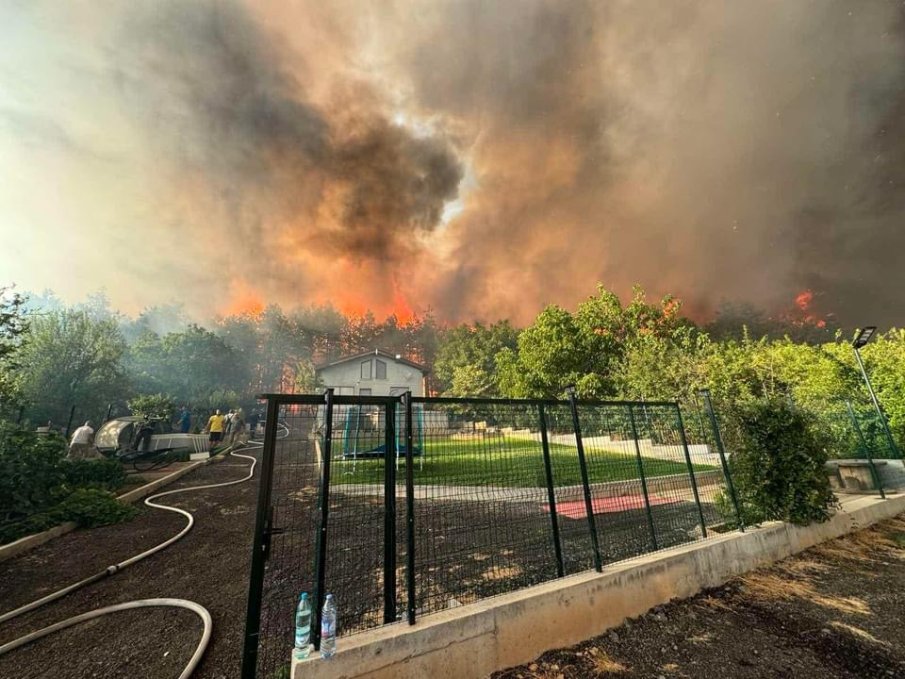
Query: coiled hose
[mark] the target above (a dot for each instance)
(196, 608)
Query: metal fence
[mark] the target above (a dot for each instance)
(406, 506)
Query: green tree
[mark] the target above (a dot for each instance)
(466, 358)
(13, 331)
(155, 406)
(72, 359)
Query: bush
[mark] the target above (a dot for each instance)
(90, 507)
(31, 471)
(40, 489)
(102, 474)
(777, 458)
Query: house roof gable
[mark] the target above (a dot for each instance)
(377, 352)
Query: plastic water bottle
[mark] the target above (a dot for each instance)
(303, 628)
(328, 628)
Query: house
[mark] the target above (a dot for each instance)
(376, 373)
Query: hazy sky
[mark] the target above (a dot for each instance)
(478, 158)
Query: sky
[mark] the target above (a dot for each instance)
(476, 159)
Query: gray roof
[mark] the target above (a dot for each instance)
(377, 352)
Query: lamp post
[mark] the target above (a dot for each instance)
(862, 337)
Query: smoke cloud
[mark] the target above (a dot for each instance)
(484, 158)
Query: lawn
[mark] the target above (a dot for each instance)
(505, 461)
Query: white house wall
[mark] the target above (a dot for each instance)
(345, 377)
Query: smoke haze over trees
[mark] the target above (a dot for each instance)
(475, 159)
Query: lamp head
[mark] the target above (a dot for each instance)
(863, 336)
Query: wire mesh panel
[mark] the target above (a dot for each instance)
(294, 516)
(355, 536)
(417, 505)
(481, 527)
(571, 511)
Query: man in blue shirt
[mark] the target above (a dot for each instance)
(185, 420)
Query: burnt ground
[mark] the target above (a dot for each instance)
(834, 611)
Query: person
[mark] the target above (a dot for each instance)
(215, 428)
(228, 422)
(237, 427)
(81, 443)
(185, 420)
(143, 433)
(253, 420)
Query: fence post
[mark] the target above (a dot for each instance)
(551, 495)
(109, 410)
(389, 515)
(69, 423)
(21, 415)
(583, 467)
(694, 482)
(410, 509)
(650, 514)
(261, 549)
(870, 457)
(708, 404)
(323, 501)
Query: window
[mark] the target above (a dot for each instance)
(366, 370)
(381, 370)
(364, 392)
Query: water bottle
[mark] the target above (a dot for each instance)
(328, 628)
(302, 628)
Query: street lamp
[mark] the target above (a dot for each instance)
(862, 337)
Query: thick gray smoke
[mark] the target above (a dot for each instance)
(718, 151)
(229, 104)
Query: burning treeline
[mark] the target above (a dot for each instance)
(483, 159)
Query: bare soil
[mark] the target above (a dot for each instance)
(210, 566)
(834, 611)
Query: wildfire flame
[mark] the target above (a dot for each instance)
(803, 301)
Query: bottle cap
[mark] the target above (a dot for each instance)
(304, 595)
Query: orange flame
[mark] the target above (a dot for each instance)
(243, 300)
(803, 299)
(402, 310)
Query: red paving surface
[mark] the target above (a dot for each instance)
(607, 505)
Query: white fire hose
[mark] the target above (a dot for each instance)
(196, 608)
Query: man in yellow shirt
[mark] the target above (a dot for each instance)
(215, 427)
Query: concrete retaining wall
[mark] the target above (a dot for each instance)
(477, 639)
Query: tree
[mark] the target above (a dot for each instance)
(466, 358)
(13, 330)
(72, 359)
(189, 365)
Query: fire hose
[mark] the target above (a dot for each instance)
(196, 608)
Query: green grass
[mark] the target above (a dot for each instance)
(507, 462)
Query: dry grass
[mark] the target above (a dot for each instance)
(866, 546)
(604, 664)
(860, 633)
(773, 587)
(502, 573)
(704, 638)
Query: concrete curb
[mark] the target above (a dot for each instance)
(29, 542)
(478, 639)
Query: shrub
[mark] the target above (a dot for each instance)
(777, 458)
(102, 474)
(91, 507)
(157, 406)
(31, 473)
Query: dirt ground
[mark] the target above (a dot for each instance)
(834, 611)
(210, 566)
